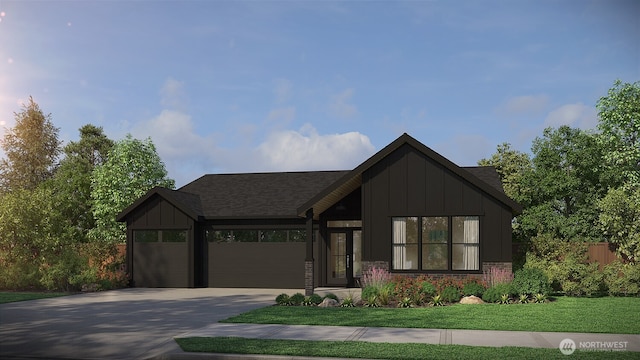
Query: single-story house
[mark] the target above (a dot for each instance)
(406, 209)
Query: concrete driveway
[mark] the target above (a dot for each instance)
(118, 324)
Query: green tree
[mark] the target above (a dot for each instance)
(31, 149)
(133, 167)
(620, 222)
(512, 166)
(565, 182)
(72, 181)
(619, 123)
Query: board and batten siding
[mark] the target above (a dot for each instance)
(408, 183)
(160, 264)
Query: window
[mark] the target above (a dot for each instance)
(437, 243)
(405, 243)
(149, 236)
(465, 243)
(222, 236)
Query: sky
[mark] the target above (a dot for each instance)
(254, 86)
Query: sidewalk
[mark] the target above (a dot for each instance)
(397, 335)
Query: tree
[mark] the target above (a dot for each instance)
(512, 166)
(620, 222)
(619, 123)
(31, 149)
(72, 181)
(566, 181)
(133, 167)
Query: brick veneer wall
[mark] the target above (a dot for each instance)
(486, 266)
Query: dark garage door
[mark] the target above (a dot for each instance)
(158, 264)
(256, 265)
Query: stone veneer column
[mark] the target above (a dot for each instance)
(308, 278)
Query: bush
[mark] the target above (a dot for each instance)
(450, 294)
(622, 279)
(283, 300)
(428, 290)
(408, 287)
(566, 265)
(331, 296)
(376, 277)
(296, 299)
(494, 293)
(370, 293)
(531, 281)
(315, 299)
(473, 288)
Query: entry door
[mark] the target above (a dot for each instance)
(344, 256)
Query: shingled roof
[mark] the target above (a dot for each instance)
(258, 195)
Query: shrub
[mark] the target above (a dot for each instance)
(437, 301)
(523, 299)
(428, 289)
(376, 277)
(473, 288)
(315, 299)
(369, 292)
(385, 293)
(407, 287)
(622, 279)
(540, 298)
(566, 265)
(494, 293)
(531, 281)
(450, 294)
(405, 303)
(331, 296)
(283, 300)
(348, 301)
(296, 299)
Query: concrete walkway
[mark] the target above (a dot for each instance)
(551, 340)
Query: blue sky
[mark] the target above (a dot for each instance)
(226, 86)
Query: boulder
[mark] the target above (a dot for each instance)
(328, 302)
(471, 300)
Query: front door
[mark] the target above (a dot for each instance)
(344, 256)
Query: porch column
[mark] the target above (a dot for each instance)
(308, 261)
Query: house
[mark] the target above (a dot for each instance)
(406, 208)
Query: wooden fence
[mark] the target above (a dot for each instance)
(601, 253)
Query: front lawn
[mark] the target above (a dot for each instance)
(10, 296)
(368, 350)
(616, 315)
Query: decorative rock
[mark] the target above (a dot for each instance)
(328, 302)
(471, 300)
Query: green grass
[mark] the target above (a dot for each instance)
(367, 350)
(10, 296)
(616, 315)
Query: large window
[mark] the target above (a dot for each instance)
(437, 243)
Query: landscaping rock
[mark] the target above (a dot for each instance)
(327, 302)
(471, 300)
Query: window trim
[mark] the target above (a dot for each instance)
(450, 244)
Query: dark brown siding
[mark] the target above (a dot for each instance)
(161, 264)
(407, 183)
(257, 265)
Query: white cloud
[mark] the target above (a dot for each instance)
(575, 115)
(308, 150)
(528, 104)
(340, 105)
(185, 153)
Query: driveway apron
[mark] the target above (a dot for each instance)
(118, 324)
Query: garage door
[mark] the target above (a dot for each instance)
(276, 265)
(160, 258)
